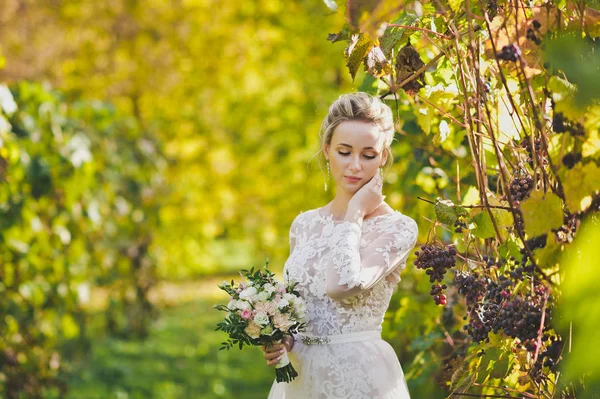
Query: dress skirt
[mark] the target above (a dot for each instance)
(357, 365)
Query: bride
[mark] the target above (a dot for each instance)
(346, 258)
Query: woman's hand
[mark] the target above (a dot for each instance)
(273, 354)
(367, 199)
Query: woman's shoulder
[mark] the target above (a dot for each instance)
(396, 219)
(303, 216)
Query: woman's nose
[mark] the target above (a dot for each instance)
(355, 164)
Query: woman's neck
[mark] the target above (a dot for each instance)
(339, 205)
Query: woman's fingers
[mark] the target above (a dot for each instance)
(273, 357)
(273, 348)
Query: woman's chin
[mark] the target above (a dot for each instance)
(351, 188)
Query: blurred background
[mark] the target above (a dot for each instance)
(150, 150)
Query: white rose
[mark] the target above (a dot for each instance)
(268, 287)
(231, 304)
(248, 292)
(290, 298)
(263, 296)
(300, 309)
(261, 318)
(243, 305)
(283, 303)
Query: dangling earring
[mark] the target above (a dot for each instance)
(381, 173)
(328, 176)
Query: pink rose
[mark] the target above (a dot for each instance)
(246, 314)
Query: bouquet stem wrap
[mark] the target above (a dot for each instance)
(283, 369)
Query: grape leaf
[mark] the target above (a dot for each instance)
(446, 212)
(541, 212)
(509, 248)
(356, 52)
(580, 182)
(485, 227)
(394, 34)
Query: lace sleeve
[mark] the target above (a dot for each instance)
(352, 270)
(292, 241)
(293, 236)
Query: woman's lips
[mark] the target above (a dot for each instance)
(352, 179)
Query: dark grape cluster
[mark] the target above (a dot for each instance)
(560, 124)
(512, 304)
(525, 143)
(566, 232)
(498, 290)
(549, 357)
(521, 186)
(495, 305)
(537, 242)
(520, 318)
(571, 159)
(532, 33)
(437, 293)
(491, 261)
(492, 8)
(460, 224)
(509, 52)
(482, 319)
(471, 285)
(436, 261)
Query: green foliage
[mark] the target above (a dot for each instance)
(78, 192)
(580, 309)
(578, 58)
(179, 360)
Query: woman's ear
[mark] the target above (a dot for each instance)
(384, 157)
(326, 151)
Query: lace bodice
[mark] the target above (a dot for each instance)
(347, 272)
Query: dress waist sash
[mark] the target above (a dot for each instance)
(309, 339)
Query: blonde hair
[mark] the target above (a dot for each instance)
(364, 107)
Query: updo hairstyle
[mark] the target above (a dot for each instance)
(364, 107)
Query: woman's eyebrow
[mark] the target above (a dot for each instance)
(348, 145)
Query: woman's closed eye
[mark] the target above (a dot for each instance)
(347, 153)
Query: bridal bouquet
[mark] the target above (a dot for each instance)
(261, 311)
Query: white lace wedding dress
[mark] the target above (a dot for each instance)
(341, 353)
